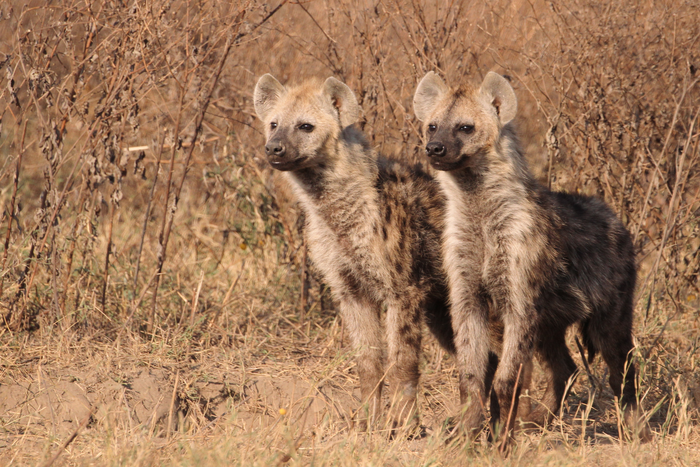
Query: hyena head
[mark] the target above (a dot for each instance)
(303, 123)
(462, 125)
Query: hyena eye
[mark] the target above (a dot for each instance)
(466, 128)
(432, 127)
(273, 125)
(306, 127)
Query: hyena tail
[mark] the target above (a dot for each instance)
(587, 341)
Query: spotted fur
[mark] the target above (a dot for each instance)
(374, 231)
(535, 260)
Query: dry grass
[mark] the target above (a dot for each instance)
(153, 279)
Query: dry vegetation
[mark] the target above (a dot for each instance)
(155, 296)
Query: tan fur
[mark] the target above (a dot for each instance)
(373, 229)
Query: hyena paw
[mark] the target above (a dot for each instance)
(471, 423)
(404, 418)
(366, 419)
(636, 427)
(537, 419)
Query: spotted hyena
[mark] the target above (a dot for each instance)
(373, 228)
(546, 260)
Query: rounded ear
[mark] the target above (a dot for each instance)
(500, 94)
(267, 93)
(343, 99)
(429, 91)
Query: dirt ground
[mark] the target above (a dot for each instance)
(111, 390)
(131, 405)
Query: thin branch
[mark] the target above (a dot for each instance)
(12, 208)
(70, 439)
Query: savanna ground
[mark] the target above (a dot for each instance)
(156, 302)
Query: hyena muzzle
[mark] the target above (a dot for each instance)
(546, 260)
(374, 231)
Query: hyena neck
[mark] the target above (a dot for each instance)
(510, 156)
(340, 192)
(502, 181)
(465, 181)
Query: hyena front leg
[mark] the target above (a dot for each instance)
(363, 323)
(518, 340)
(524, 401)
(404, 335)
(472, 343)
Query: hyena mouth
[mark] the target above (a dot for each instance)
(448, 165)
(285, 165)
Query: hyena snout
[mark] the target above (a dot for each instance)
(435, 149)
(281, 157)
(275, 148)
(445, 154)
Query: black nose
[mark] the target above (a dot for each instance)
(435, 149)
(275, 148)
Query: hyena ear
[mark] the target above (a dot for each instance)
(343, 99)
(429, 91)
(500, 94)
(267, 93)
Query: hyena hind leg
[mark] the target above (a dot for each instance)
(558, 367)
(617, 355)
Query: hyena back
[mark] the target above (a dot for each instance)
(546, 260)
(373, 228)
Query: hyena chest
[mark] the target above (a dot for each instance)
(487, 248)
(495, 259)
(351, 262)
